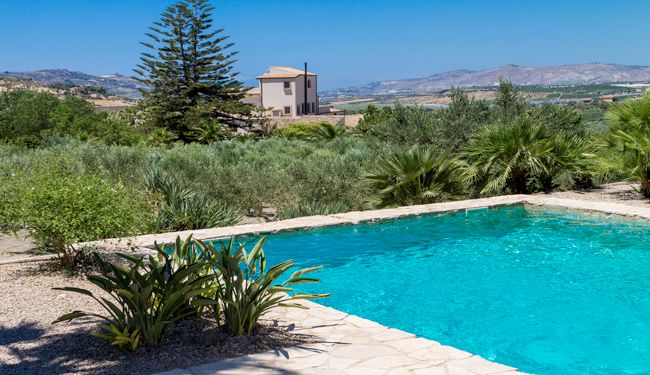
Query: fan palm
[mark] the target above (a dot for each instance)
(327, 131)
(415, 176)
(628, 139)
(507, 157)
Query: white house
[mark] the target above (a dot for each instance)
(282, 92)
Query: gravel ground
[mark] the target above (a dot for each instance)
(620, 192)
(30, 344)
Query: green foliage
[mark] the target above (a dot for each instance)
(505, 157)
(311, 208)
(189, 72)
(24, 115)
(447, 128)
(183, 208)
(509, 104)
(372, 115)
(209, 131)
(522, 157)
(244, 175)
(403, 125)
(625, 147)
(457, 122)
(61, 209)
(27, 118)
(416, 176)
(315, 131)
(558, 119)
(247, 288)
(145, 299)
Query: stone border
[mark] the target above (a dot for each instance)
(356, 217)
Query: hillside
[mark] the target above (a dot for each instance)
(577, 74)
(114, 84)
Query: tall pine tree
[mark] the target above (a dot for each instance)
(188, 69)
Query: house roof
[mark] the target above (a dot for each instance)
(283, 72)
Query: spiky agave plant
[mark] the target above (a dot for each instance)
(247, 288)
(415, 176)
(145, 299)
(312, 208)
(183, 208)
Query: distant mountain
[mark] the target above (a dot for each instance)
(115, 83)
(521, 75)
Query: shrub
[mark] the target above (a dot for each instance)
(506, 157)
(311, 131)
(27, 118)
(61, 209)
(183, 208)
(145, 299)
(416, 176)
(247, 289)
(311, 208)
(625, 147)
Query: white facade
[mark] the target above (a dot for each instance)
(282, 92)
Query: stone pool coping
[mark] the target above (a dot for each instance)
(357, 217)
(348, 344)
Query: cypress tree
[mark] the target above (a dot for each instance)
(188, 68)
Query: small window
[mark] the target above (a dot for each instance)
(287, 110)
(287, 85)
(309, 83)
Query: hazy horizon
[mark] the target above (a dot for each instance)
(346, 43)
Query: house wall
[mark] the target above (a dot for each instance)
(275, 97)
(311, 94)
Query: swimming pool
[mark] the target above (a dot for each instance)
(547, 291)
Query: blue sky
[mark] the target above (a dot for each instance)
(346, 42)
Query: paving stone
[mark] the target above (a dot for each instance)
(479, 365)
(399, 371)
(360, 322)
(363, 371)
(387, 361)
(339, 363)
(392, 334)
(362, 352)
(410, 345)
(431, 371)
(446, 352)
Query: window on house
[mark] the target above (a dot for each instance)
(313, 107)
(287, 110)
(287, 85)
(308, 83)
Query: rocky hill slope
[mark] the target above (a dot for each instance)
(577, 74)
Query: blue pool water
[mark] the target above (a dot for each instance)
(547, 291)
